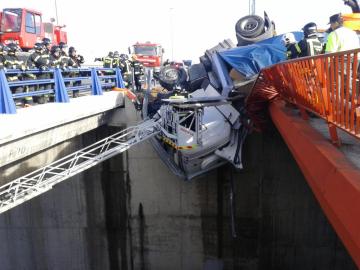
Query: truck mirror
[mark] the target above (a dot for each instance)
(162, 50)
(52, 20)
(129, 50)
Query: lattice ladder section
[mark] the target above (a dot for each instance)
(35, 183)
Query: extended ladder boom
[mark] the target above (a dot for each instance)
(43, 179)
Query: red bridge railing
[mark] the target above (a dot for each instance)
(326, 85)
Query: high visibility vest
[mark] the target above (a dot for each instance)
(342, 39)
(314, 46)
(108, 62)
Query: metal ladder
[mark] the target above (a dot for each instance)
(37, 182)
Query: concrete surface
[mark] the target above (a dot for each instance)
(350, 146)
(39, 127)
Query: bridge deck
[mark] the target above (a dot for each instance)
(350, 146)
(36, 128)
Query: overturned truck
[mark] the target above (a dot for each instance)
(203, 120)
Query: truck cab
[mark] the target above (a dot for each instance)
(149, 54)
(25, 27)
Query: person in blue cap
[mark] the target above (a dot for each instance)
(341, 38)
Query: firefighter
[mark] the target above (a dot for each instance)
(125, 69)
(116, 60)
(12, 61)
(289, 42)
(47, 46)
(55, 58)
(63, 46)
(138, 71)
(108, 62)
(75, 60)
(310, 45)
(37, 60)
(64, 58)
(124, 63)
(3, 52)
(56, 61)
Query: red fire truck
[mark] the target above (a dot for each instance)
(149, 54)
(25, 27)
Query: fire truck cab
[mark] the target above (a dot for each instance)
(25, 27)
(149, 54)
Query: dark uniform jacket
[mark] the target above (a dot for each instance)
(37, 60)
(306, 47)
(75, 61)
(2, 61)
(13, 62)
(138, 68)
(58, 62)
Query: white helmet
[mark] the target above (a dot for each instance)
(288, 38)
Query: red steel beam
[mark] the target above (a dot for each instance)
(334, 180)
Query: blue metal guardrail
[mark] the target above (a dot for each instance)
(93, 79)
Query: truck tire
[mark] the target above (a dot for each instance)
(267, 32)
(250, 26)
(243, 41)
(169, 77)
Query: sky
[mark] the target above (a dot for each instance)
(184, 28)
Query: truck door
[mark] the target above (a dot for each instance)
(32, 31)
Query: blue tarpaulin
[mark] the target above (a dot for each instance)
(250, 59)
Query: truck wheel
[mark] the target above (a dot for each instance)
(250, 26)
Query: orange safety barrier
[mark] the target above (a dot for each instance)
(130, 95)
(326, 85)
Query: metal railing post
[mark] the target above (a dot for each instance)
(119, 79)
(7, 104)
(61, 94)
(96, 88)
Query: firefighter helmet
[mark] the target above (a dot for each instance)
(38, 46)
(310, 29)
(116, 54)
(288, 39)
(71, 50)
(62, 45)
(111, 54)
(55, 49)
(12, 48)
(46, 41)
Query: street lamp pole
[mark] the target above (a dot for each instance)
(56, 11)
(171, 33)
(252, 7)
